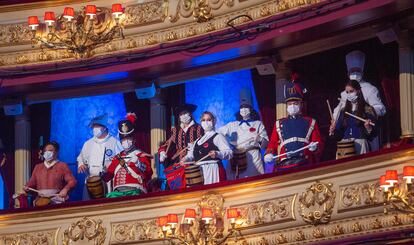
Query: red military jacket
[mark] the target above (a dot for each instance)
(293, 133)
(136, 172)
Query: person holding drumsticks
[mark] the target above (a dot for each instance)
(209, 150)
(295, 139)
(97, 154)
(131, 168)
(51, 179)
(356, 120)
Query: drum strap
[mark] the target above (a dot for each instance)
(310, 130)
(131, 171)
(294, 139)
(279, 134)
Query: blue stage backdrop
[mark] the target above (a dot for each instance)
(69, 126)
(219, 94)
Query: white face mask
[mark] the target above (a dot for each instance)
(127, 144)
(245, 113)
(185, 118)
(352, 97)
(98, 131)
(207, 125)
(48, 155)
(355, 76)
(293, 110)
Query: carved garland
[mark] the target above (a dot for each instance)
(85, 228)
(316, 203)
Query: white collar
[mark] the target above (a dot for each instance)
(188, 126)
(49, 165)
(100, 141)
(206, 136)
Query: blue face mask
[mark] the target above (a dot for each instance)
(97, 132)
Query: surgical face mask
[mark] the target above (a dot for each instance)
(244, 112)
(352, 97)
(98, 131)
(293, 109)
(355, 76)
(185, 118)
(48, 155)
(127, 144)
(207, 125)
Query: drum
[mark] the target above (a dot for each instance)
(95, 187)
(193, 175)
(21, 200)
(42, 201)
(239, 159)
(345, 148)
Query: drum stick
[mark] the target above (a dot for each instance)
(359, 118)
(34, 190)
(203, 158)
(293, 152)
(179, 153)
(330, 109)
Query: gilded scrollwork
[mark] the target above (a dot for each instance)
(201, 10)
(316, 203)
(87, 228)
(12, 34)
(360, 195)
(268, 211)
(30, 238)
(141, 230)
(146, 13)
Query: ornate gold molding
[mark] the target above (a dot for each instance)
(153, 15)
(359, 195)
(31, 238)
(316, 203)
(135, 231)
(85, 228)
(276, 210)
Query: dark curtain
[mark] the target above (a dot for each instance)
(7, 171)
(40, 119)
(265, 89)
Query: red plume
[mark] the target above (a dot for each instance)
(132, 117)
(294, 76)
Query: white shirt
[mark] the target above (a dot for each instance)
(95, 152)
(220, 141)
(371, 96)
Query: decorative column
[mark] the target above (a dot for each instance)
(158, 128)
(22, 152)
(282, 77)
(406, 60)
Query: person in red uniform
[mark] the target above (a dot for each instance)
(296, 135)
(131, 168)
(176, 147)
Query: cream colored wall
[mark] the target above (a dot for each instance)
(275, 203)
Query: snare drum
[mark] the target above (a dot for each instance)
(42, 201)
(345, 148)
(239, 160)
(193, 175)
(95, 187)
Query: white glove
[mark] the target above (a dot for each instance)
(268, 158)
(313, 146)
(163, 156)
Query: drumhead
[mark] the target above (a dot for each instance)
(93, 179)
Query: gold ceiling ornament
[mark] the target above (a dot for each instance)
(398, 192)
(204, 226)
(318, 233)
(79, 32)
(316, 203)
(300, 236)
(85, 228)
(376, 224)
(357, 227)
(201, 10)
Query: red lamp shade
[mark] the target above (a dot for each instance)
(172, 219)
(49, 18)
(190, 213)
(408, 173)
(391, 176)
(207, 214)
(90, 10)
(232, 213)
(117, 9)
(68, 13)
(33, 22)
(162, 221)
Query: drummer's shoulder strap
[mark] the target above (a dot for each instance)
(311, 128)
(279, 133)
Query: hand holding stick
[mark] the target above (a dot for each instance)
(203, 158)
(330, 110)
(359, 118)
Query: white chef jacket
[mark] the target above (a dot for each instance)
(242, 136)
(210, 168)
(95, 150)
